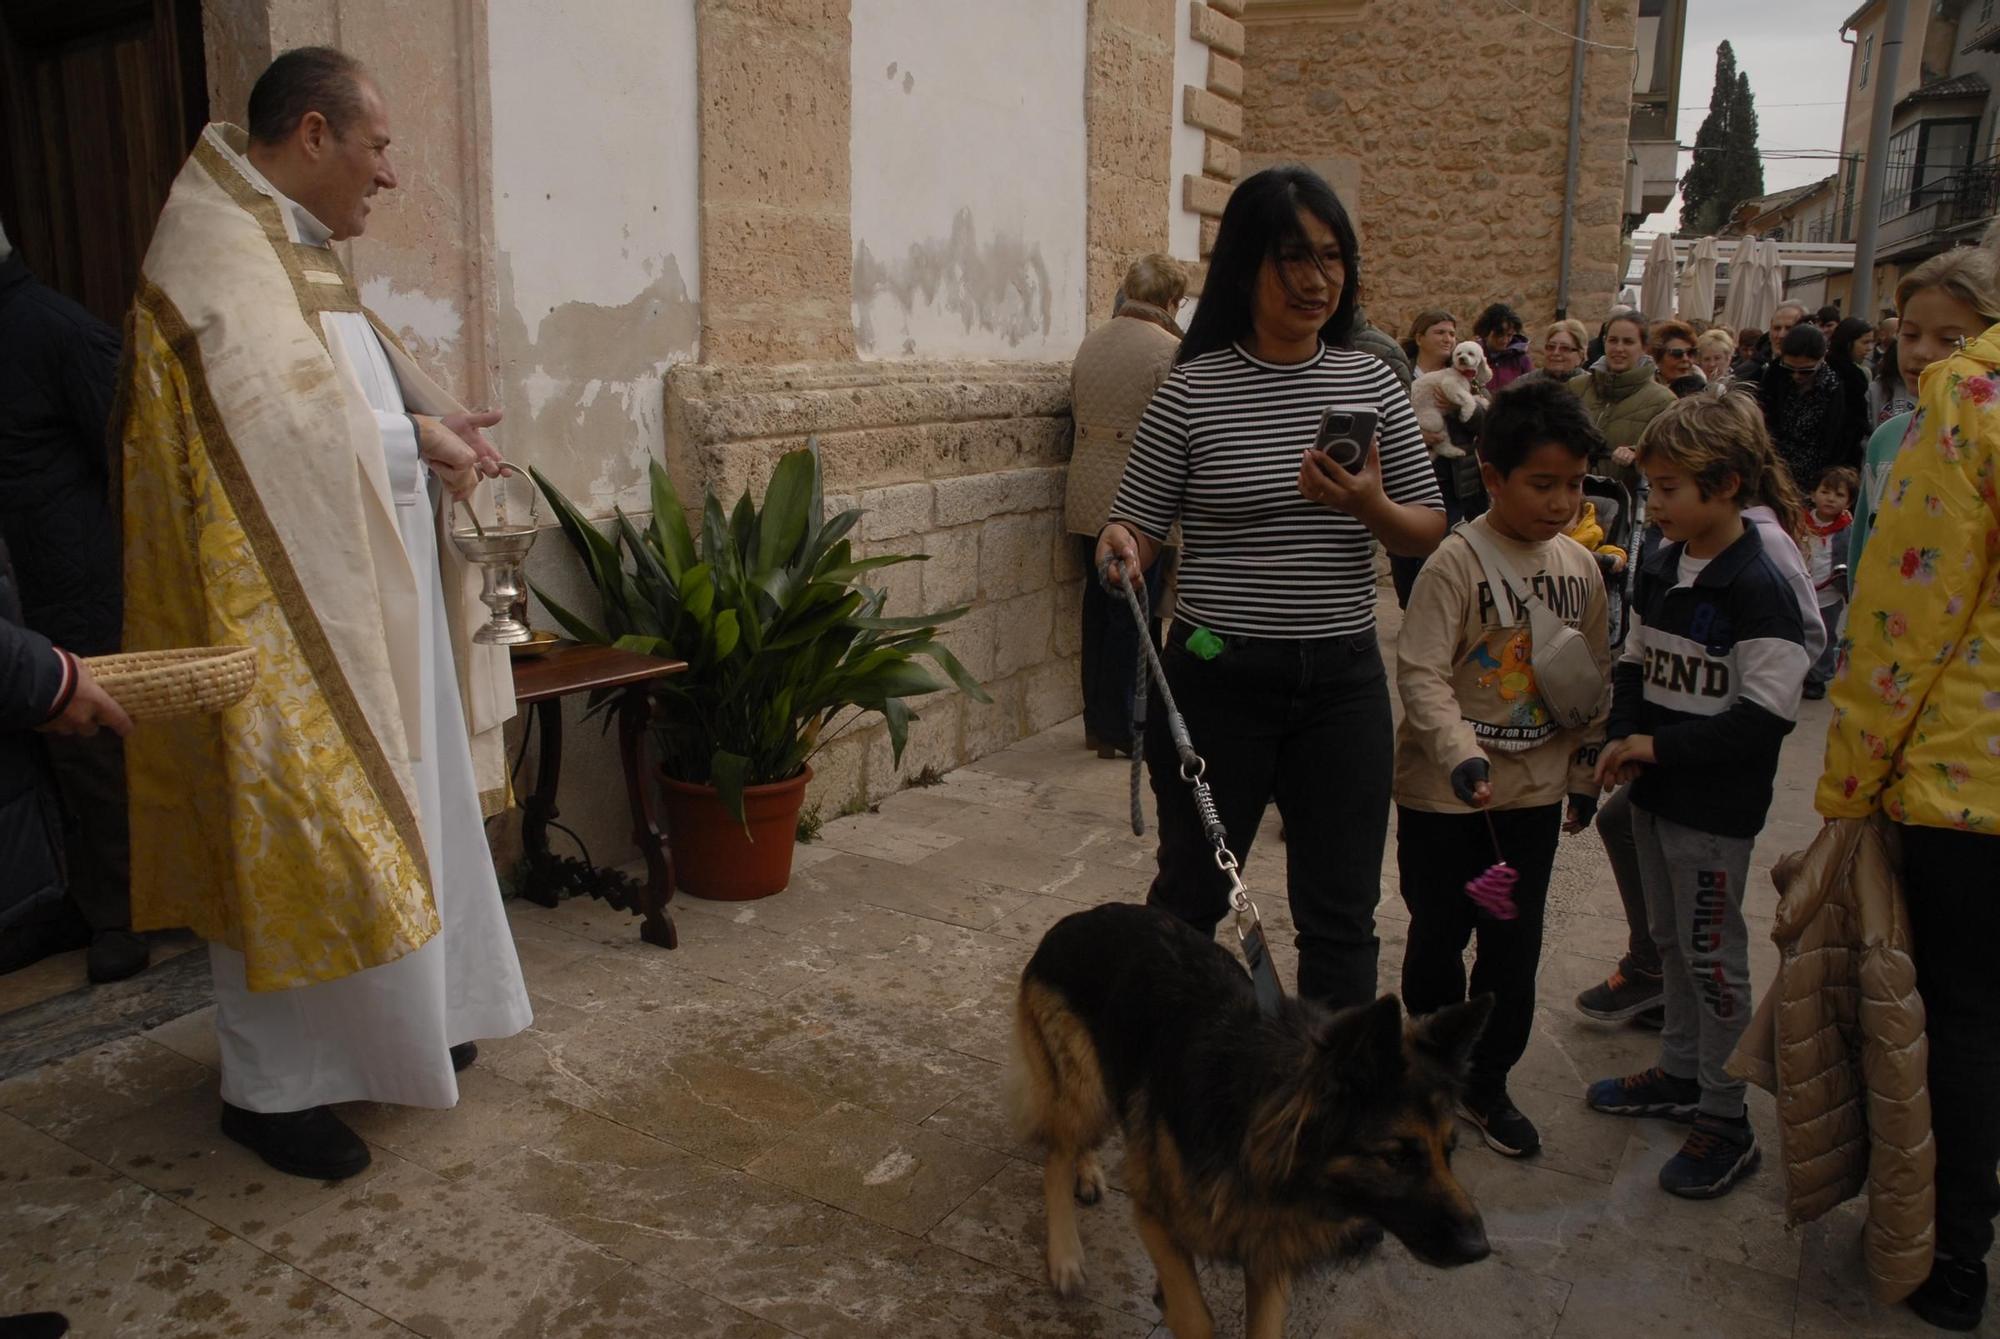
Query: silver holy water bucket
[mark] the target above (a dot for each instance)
(498, 550)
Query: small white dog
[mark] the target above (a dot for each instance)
(1434, 394)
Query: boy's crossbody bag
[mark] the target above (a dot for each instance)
(1567, 676)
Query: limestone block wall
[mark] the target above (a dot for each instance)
(960, 461)
(1454, 121)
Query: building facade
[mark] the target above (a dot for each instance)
(1942, 178)
(702, 231)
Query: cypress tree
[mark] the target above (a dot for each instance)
(1725, 170)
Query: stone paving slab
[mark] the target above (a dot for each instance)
(792, 1126)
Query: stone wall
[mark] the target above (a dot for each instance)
(959, 461)
(1455, 120)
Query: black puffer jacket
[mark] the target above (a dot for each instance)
(34, 681)
(58, 365)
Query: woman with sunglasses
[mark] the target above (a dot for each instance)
(1673, 356)
(1816, 419)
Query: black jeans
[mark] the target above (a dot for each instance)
(1949, 883)
(1306, 722)
(97, 847)
(1111, 649)
(1438, 854)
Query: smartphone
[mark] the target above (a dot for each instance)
(1345, 433)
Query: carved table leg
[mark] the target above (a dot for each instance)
(539, 809)
(646, 829)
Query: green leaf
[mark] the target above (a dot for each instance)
(728, 773)
(960, 676)
(782, 526)
(669, 528)
(727, 633)
(897, 713)
(646, 646)
(574, 626)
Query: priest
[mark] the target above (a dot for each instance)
(286, 469)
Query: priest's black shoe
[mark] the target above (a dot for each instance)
(115, 955)
(312, 1143)
(463, 1054)
(40, 1325)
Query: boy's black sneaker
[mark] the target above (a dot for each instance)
(1718, 1153)
(1506, 1130)
(1626, 993)
(1652, 1093)
(1954, 1296)
(1654, 1018)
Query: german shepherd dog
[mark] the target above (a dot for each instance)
(1280, 1144)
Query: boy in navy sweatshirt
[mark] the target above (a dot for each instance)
(1702, 698)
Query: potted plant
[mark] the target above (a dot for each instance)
(770, 610)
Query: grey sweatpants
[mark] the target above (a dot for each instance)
(1694, 903)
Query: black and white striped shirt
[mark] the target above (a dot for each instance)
(1219, 450)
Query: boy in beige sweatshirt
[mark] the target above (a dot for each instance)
(1480, 760)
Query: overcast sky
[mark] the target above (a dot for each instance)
(1798, 73)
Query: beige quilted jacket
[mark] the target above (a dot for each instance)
(1118, 367)
(1839, 1039)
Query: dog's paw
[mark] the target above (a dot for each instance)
(1066, 1272)
(1465, 412)
(1450, 452)
(1089, 1179)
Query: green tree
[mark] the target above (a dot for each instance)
(1726, 169)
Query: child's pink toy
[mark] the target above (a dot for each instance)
(1493, 891)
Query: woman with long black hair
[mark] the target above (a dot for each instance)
(1272, 657)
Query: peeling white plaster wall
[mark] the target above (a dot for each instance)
(1190, 142)
(968, 188)
(427, 324)
(596, 221)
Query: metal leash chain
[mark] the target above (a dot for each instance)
(1249, 926)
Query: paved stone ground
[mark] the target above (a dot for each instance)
(790, 1127)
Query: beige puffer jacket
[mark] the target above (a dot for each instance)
(1839, 1039)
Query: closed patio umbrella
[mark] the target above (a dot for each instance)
(1656, 284)
(1697, 287)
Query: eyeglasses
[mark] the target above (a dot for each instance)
(1803, 372)
(1553, 347)
(1678, 351)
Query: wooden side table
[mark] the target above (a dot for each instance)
(542, 682)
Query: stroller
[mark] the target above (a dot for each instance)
(1614, 514)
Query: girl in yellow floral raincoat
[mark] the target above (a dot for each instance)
(1916, 735)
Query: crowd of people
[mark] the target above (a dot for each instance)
(1689, 528)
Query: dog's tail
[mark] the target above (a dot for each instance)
(1054, 1087)
(1031, 1085)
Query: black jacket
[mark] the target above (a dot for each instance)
(1843, 425)
(35, 684)
(1713, 672)
(58, 368)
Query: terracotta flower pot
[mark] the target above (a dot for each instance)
(714, 857)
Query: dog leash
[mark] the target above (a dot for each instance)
(1249, 926)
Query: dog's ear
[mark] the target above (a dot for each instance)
(1448, 1035)
(1364, 1044)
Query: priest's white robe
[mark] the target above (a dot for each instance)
(384, 1034)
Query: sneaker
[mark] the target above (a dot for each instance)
(1625, 993)
(1954, 1296)
(1654, 1018)
(1653, 1093)
(1718, 1153)
(1506, 1130)
(1813, 692)
(313, 1143)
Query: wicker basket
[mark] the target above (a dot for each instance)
(161, 685)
